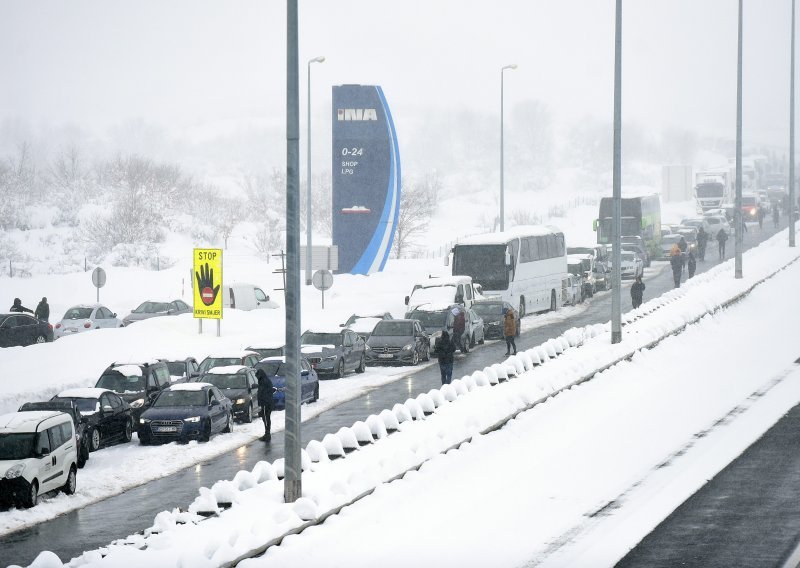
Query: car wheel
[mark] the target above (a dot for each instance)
(316, 393)
(206, 435)
(553, 305)
(228, 424)
(248, 418)
(472, 341)
(83, 455)
(72, 482)
(415, 358)
(340, 369)
(362, 365)
(32, 496)
(128, 434)
(94, 440)
(41, 339)
(464, 346)
(522, 307)
(483, 339)
(427, 353)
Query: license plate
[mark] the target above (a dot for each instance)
(167, 429)
(386, 356)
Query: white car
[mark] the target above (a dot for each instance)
(714, 223)
(84, 317)
(571, 293)
(38, 454)
(631, 264)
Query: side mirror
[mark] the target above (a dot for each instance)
(447, 260)
(42, 452)
(107, 408)
(214, 402)
(113, 315)
(594, 225)
(406, 300)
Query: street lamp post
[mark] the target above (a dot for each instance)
(319, 59)
(502, 196)
(737, 263)
(616, 211)
(791, 142)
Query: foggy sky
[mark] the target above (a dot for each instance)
(185, 64)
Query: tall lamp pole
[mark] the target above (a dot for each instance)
(319, 59)
(738, 200)
(502, 100)
(616, 209)
(791, 142)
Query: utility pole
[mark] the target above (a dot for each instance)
(292, 482)
(616, 254)
(738, 201)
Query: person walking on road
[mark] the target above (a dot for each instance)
(776, 215)
(691, 265)
(18, 307)
(702, 240)
(510, 330)
(761, 218)
(676, 261)
(43, 310)
(722, 236)
(265, 390)
(637, 292)
(444, 349)
(459, 325)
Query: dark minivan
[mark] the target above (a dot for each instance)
(136, 383)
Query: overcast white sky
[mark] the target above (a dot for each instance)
(187, 63)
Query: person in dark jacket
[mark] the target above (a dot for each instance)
(702, 240)
(676, 261)
(691, 264)
(637, 292)
(43, 310)
(459, 325)
(18, 307)
(722, 236)
(444, 349)
(510, 330)
(265, 390)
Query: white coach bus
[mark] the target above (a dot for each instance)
(523, 266)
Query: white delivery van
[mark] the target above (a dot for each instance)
(444, 290)
(246, 297)
(38, 453)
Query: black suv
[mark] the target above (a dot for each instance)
(398, 341)
(136, 383)
(334, 352)
(240, 386)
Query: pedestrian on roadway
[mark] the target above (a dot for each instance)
(637, 292)
(776, 215)
(702, 240)
(265, 390)
(691, 265)
(43, 310)
(676, 261)
(444, 348)
(722, 236)
(510, 330)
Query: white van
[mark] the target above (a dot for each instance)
(246, 297)
(444, 290)
(38, 453)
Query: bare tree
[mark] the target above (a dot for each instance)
(416, 208)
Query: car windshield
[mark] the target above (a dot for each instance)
(488, 310)
(627, 255)
(176, 368)
(429, 319)
(85, 405)
(211, 362)
(16, 446)
(151, 308)
(232, 381)
(748, 201)
(670, 239)
(574, 268)
(267, 351)
(692, 222)
(78, 313)
(580, 250)
(312, 338)
(272, 368)
(393, 328)
(119, 383)
(181, 398)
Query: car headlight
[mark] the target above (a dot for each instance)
(332, 358)
(15, 471)
(138, 403)
(192, 419)
(144, 421)
(239, 401)
(408, 347)
(367, 348)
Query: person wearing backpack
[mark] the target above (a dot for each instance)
(444, 348)
(265, 390)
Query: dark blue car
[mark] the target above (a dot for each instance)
(275, 368)
(186, 411)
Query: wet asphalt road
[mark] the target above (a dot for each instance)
(98, 524)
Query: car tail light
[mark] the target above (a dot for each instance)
(50, 325)
(87, 325)
(58, 325)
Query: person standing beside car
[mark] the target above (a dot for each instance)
(676, 261)
(702, 239)
(722, 236)
(43, 310)
(691, 265)
(510, 330)
(444, 348)
(637, 292)
(18, 307)
(265, 390)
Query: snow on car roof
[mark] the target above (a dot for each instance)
(334, 330)
(504, 236)
(89, 392)
(188, 386)
(315, 348)
(25, 421)
(442, 281)
(129, 370)
(434, 307)
(579, 257)
(230, 354)
(364, 324)
(279, 358)
(226, 370)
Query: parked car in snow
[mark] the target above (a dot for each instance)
(602, 276)
(571, 293)
(18, 330)
(492, 312)
(239, 384)
(582, 266)
(398, 341)
(334, 352)
(85, 317)
(364, 324)
(267, 350)
(275, 368)
(156, 308)
(444, 290)
(639, 244)
(79, 423)
(182, 370)
(631, 264)
(246, 297)
(135, 383)
(38, 454)
(667, 242)
(186, 411)
(226, 359)
(108, 418)
(436, 318)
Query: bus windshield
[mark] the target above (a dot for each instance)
(486, 264)
(706, 190)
